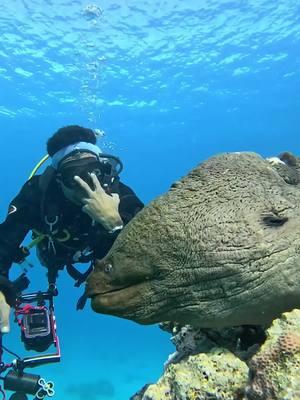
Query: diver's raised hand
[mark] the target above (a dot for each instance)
(100, 206)
(4, 314)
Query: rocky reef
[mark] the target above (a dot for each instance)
(274, 372)
(242, 363)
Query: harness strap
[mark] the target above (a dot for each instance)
(52, 275)
(81, 302)
(78, 276)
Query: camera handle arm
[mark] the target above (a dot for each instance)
(31, 362)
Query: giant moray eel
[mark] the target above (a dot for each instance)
(220, 248)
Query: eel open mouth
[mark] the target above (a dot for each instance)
(92, 294)
(116, 299)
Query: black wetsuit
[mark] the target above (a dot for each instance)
(70, 235)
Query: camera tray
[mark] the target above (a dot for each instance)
(26, 311)
(33, 319)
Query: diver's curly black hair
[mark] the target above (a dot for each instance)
(68, 135)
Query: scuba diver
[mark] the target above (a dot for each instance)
(75, 210)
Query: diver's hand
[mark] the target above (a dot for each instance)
(4, 314)
(100, 206)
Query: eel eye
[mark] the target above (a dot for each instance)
(108, 268)
(274, 220)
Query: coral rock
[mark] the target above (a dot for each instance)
(273, 373)
(275, 369)
(218, 375)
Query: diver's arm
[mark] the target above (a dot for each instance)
(130, 204)
(12, 232)
(21, 215)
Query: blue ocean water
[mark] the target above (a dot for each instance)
(169, 83)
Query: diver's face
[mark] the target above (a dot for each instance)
(81, 165)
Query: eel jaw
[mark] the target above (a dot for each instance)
(118, 300)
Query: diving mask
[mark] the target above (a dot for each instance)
(106, 168)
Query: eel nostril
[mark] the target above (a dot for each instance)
(108, 268)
